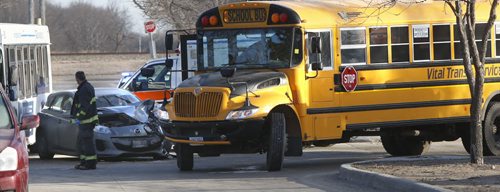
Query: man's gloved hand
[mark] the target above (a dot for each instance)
(74, 121)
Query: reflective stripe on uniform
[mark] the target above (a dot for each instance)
(93, 119)
(93, 100)
(93, 157)
(82, 113)
(82, 157)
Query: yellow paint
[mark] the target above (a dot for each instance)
(319, 92)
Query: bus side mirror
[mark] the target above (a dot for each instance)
(315, 45)
(148, 71)
(169, 63)
(169, 41)
(316, 66)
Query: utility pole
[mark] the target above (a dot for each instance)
(31, 11)
(42, 8)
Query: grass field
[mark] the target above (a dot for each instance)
(102, 70)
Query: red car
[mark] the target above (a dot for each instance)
(13, 151)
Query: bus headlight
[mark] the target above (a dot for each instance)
(241, 114)
(8, 159)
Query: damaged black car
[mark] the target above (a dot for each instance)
(121, 131)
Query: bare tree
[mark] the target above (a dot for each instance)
(474, 56)
(180, 14)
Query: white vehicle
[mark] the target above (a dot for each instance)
(25, 68)
(154, 86)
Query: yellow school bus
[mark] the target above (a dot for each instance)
(275, 76)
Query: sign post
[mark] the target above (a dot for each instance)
(150, 28)
(349, 78)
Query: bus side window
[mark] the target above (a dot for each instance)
(421, 43)
(353, 46)
(378, 45)
(2, 81)
(497, 38)
(442, 42)
(400, 44)
(326, 51)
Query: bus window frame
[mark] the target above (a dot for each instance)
(408, 44)
(357, 46)
(496, 31)
(369, 50)
(441, 42)
(413, 43)
(332, 49)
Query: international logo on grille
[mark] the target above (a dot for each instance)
(197, 91)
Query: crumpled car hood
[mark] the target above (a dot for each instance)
(6, 136)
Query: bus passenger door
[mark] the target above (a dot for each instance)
(326, 125)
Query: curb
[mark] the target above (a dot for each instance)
(384, 181)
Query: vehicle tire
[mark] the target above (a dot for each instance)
(464, 131)
(277, 140)
(43, 147)
(491, 134)
(397, 145)
(184, 157)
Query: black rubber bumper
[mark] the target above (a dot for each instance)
(233, 131)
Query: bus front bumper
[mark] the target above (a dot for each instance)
(214, 132)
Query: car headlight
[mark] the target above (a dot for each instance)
(241, 114)
(160, 114)
(102, 129)
(8, 159)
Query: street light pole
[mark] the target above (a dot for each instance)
(31, 11)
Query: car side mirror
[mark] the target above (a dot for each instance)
(316, 66)
(148, 71)
(30, 122)
(315, 45)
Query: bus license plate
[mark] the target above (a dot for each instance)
(198, 139)
(139, 143)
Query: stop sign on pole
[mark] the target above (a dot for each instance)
(349, 78)
(150, 26)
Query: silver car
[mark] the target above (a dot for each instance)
(118, 134)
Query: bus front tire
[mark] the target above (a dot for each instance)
(276, 146)
(397, 145)
(184, 157)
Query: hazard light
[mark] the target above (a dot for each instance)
(210, 18)
(282, 15)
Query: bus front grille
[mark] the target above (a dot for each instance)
(206, 104)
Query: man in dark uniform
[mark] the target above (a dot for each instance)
(85, 110)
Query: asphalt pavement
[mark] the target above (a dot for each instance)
(317, 170)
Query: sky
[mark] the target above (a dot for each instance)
(135, 14)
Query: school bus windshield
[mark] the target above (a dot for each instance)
(255, 48)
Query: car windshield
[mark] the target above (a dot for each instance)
(116, 100)
(254, 48)
(5, 120)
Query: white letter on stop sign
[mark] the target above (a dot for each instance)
(349, 78)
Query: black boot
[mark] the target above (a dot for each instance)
(91, 164)
(82, 164)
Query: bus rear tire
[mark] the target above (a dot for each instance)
(491, 134)
(184, 157)
(277, 139)
(397, 145)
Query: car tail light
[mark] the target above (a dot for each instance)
(8, 159)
